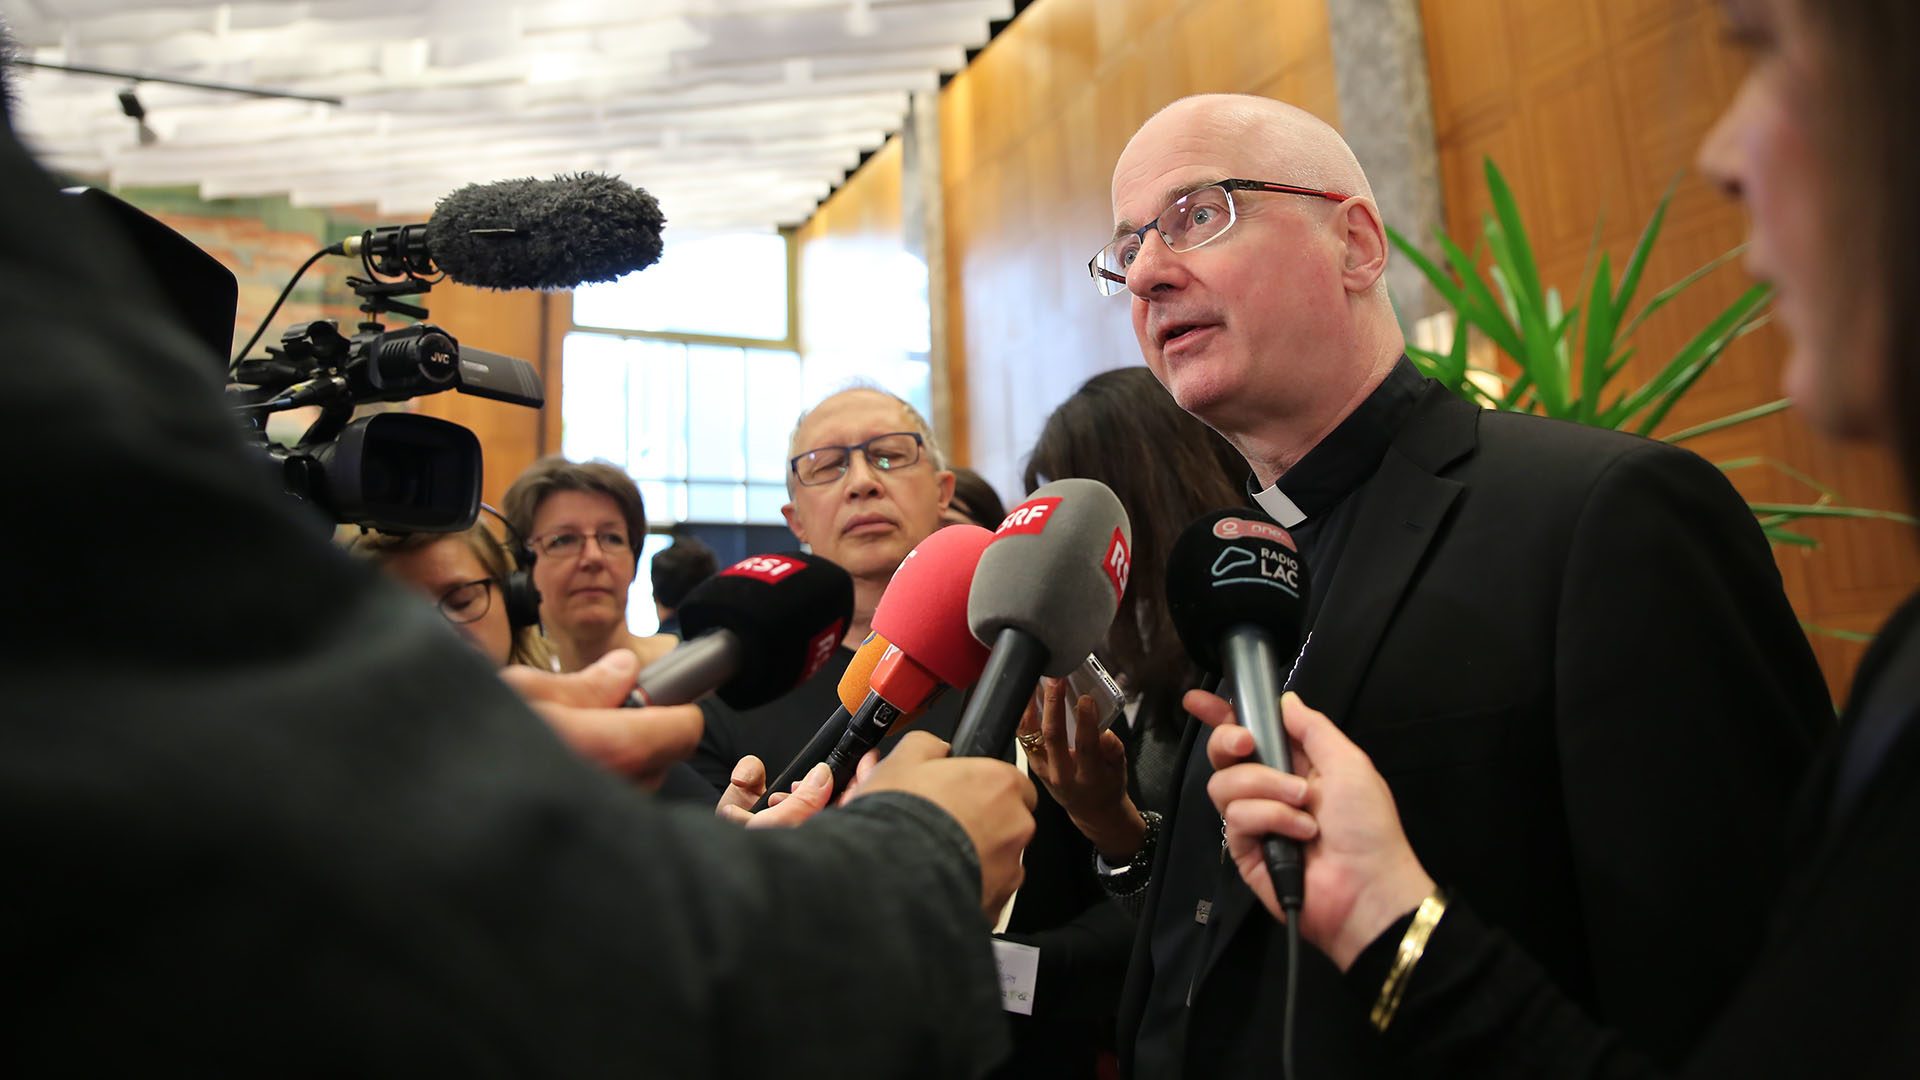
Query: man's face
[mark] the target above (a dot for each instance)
(867, 520)
(1222, 325)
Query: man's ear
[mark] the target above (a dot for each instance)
(793, 526)
(1364, 242)
(944, 481)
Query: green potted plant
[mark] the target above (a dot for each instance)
(1570, 359)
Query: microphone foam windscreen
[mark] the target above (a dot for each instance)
(859, 673)
(1228, 569)
(924, 610)
(1056, 569)
(790, 612)
(545, 234)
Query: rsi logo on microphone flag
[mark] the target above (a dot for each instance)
(820, 649)
(1118, 564)
(1029, 517)
(767, 568)
(1234, 528)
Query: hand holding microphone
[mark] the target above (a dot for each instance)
(852, 690)
(583, 709)
(1361, 873)
(1236, 590)
(923, 615)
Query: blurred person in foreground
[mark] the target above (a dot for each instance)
(1821, 149)
(584, 523)
(281, 821)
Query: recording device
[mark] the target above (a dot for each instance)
(852, 691)
(754, 631)
(1043, 595)
(923, 614)
(1090, 679)
(1236, 590)
(401, 472)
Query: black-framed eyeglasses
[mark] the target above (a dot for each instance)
(467, 601)
(886, 453)
(1193, 219)
(571, 545)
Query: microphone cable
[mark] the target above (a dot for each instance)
(272, 311)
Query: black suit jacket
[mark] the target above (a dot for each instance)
(1832, 992)
(1568, 652)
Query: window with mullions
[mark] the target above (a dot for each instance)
(685, 375)
(702, 428)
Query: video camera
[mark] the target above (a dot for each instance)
(397, 471)
(392, 471)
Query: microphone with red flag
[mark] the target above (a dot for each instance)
(923, 614)
(754, 631)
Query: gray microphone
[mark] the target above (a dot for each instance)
(1042, 597)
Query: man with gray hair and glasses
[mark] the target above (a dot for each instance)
(867, 482)
(1566, 649)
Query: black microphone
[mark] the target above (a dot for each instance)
(754, 631)
(1042, 596)
(523, 234)
(1235, 590)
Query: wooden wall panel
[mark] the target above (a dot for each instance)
(1593, 106)
(1029, 135)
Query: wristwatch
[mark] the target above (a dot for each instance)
(1131, 877)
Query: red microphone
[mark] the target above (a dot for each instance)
(923, 615)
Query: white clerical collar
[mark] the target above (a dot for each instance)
(1279, 507)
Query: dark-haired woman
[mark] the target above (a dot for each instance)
(1122, 429)
(1822, 149)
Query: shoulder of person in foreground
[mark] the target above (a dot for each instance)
(302, 813)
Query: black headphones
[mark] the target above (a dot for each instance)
(522, 599)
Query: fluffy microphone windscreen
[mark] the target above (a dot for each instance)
(854, 680)
(790, 612)
(924, 610)
(1231, 568)
(545, 234)
(1056, 569)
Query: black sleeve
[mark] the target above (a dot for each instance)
(1687, 705)
(713, 760)
(1476, 1005)
(1084, 938)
